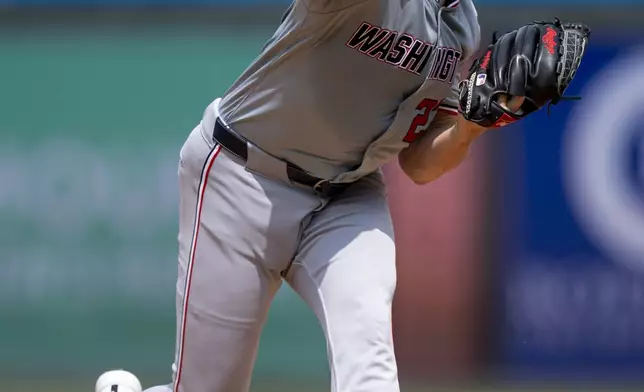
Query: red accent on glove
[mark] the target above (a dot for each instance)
(504, 120)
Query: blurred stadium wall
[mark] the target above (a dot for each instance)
(95, 101)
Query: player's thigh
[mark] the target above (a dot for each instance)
(345, 270)
(224, 289)
(352, 240)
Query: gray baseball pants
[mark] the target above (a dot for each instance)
(241, 234)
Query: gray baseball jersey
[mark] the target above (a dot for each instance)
(344, 85)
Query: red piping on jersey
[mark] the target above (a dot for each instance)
(448, 110)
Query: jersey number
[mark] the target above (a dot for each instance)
(426, 106)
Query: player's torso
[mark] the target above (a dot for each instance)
(336, 77)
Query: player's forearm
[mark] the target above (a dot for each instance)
(438, 152)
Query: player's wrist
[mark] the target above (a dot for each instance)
(467, 131)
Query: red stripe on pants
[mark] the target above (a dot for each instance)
(203, 183)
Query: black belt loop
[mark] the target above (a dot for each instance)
(237, 146)
(228, 140)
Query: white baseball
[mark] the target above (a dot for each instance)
(118, 381)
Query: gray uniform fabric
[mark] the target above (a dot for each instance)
(234, 249)
(339, 90)
(336, 88)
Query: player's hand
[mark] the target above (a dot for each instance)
(510, 103)
(507, 102)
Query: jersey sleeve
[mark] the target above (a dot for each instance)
(447, 109)
(449, 105)
(470, 47)
(450, 102)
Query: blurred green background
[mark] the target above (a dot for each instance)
(91, 126)
(95, 102)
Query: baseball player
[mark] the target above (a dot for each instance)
(281, 179)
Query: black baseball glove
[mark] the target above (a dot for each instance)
(537, 61)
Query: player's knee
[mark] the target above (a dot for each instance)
(376, 281)
(361, 337)
(373, 307)
(364, 314)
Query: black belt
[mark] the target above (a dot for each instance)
(236, 145)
